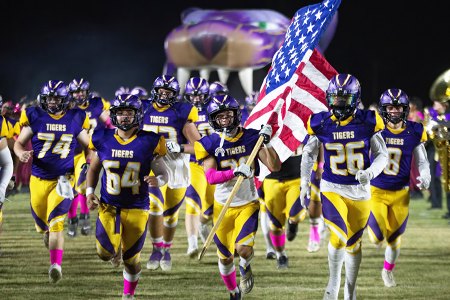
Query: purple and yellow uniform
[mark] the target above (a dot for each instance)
(124, 193)
(240, 222)
(53, 144)
(390, 189)
(93, 108)
(200, 194)
(282, 194)
(346, 150)
(169, 122)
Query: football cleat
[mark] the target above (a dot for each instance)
(85, 224)
(388, 278)
(313, 246)
(283, 262)
(166, 262)
(153, 261)
(72, 227)
(247, 281)
(54, 273)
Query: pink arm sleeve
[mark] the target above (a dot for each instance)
(214, 177)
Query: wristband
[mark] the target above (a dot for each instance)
(269, 145)
(89, 190)
(181, 148)
(320, 165)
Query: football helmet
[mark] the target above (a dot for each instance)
(343, 95)
(197, 92)
(221, 103)
(217, 88)
(140, 92)
(54, 97)
(394, 97)
(79, 85)
(122, 90)
(169, 83)
(126, 101)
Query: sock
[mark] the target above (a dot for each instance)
(352, 263)
(228, 274)
(157, 242)
(390, 257)
(56, 256)
(83, 204)
(167, 245)
(278, 241)
(335, 261)
(73, 208)
(314, 230)
(244, 263)
(130, 282)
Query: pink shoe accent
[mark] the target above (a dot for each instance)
(388, 266)
(129, 287)
(278, 241)
(56, 256)
(158, 244)
(230, 280)
(166, 245)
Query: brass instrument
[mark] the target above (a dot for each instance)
(438, 131)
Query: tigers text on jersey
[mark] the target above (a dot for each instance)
(400, 144)
(54, 140)
(347, 145)
(125, 164)
(234, 152)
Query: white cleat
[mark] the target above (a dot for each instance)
(388, 278)
(192, 252)
(54, 273)
(127, 297)
(313, 246)
(330, 295)
(166, 262)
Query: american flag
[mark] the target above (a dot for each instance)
(296, 81)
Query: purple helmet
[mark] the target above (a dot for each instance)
(78, 85)
(126, 101)
(343, 95)
(169, 83)
(217, 88)
(252, 99)
(394, 97)
(54, 90)
(197, 92)
(140, 92)
(221, 103)
(122, 90)
(1, 100)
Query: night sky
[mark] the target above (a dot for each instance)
(114, 44)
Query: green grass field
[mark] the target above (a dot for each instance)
(422, 271)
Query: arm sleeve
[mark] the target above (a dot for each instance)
(6, 164)
(421, 159)
(380, 154)
(309, 156)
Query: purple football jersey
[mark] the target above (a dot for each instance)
(347, 145)
(54, 140)
(400, 146)
(125, 164)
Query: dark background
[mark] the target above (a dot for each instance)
(384, 44)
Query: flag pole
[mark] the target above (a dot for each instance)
(236, 187)
(272, 120)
